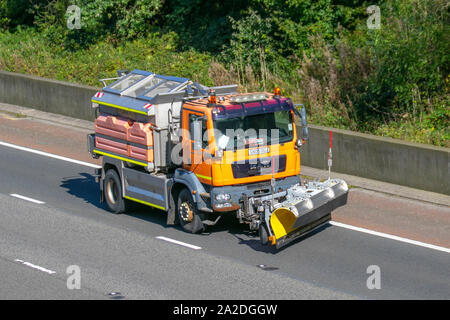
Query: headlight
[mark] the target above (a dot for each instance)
(223, 205)
(223, 197)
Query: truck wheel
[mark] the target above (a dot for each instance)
(187, 213)
(112, 190)
(263, 234)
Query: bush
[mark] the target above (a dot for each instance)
(410, 59)
(17, 12)
(100, 19)
(27, 51)
(395, 83)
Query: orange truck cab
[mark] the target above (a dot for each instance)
(199, 153)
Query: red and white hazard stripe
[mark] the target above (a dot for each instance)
(99, 94)
(147, 106)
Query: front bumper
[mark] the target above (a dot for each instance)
(238, 193)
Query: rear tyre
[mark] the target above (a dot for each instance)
(112, 189)
(188, 214)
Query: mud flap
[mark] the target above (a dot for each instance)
(305, 209)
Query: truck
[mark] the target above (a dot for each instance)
(200, 153)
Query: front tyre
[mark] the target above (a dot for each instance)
(187, 213)
(263, 234)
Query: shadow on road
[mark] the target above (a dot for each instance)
(251, 238)
(87, 189)
(84, 187)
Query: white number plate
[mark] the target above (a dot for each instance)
(252, 152)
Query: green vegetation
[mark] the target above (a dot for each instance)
(391, 81)
(12, 114)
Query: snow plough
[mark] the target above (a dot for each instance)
(200, 153)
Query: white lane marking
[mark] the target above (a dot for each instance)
(26, 198)
(390, 236)
(179, 242)
(28, 264)
(50, 155)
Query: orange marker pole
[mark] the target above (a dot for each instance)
(272, 181)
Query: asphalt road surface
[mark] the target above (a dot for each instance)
(61, 223)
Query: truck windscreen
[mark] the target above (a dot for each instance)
(254, 130)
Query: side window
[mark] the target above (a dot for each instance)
(204, 134)
(197, 130)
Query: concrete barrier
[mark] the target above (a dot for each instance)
(400, 162)
(54, 96)
(410, 164)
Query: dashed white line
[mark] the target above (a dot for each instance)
(51, 155)
(390, 236)
(26, 198)
(179, 243)
(28, 264)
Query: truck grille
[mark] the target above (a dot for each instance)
(258, 167)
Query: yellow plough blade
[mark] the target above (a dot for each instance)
(305, 208)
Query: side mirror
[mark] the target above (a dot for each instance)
(303, 116)
(305, 133)
(304, 124)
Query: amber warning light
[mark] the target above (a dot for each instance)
(212, 97)
(277, 91)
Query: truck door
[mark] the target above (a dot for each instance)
(195, 142)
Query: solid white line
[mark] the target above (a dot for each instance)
(28, 264)
(390, 236)
(179, 242)
(50, 155)
(26, 198)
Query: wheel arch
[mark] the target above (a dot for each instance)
(174, 192)
(110, 163)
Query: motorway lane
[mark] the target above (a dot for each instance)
(116, 259)
(26, 283)
(325, 264)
